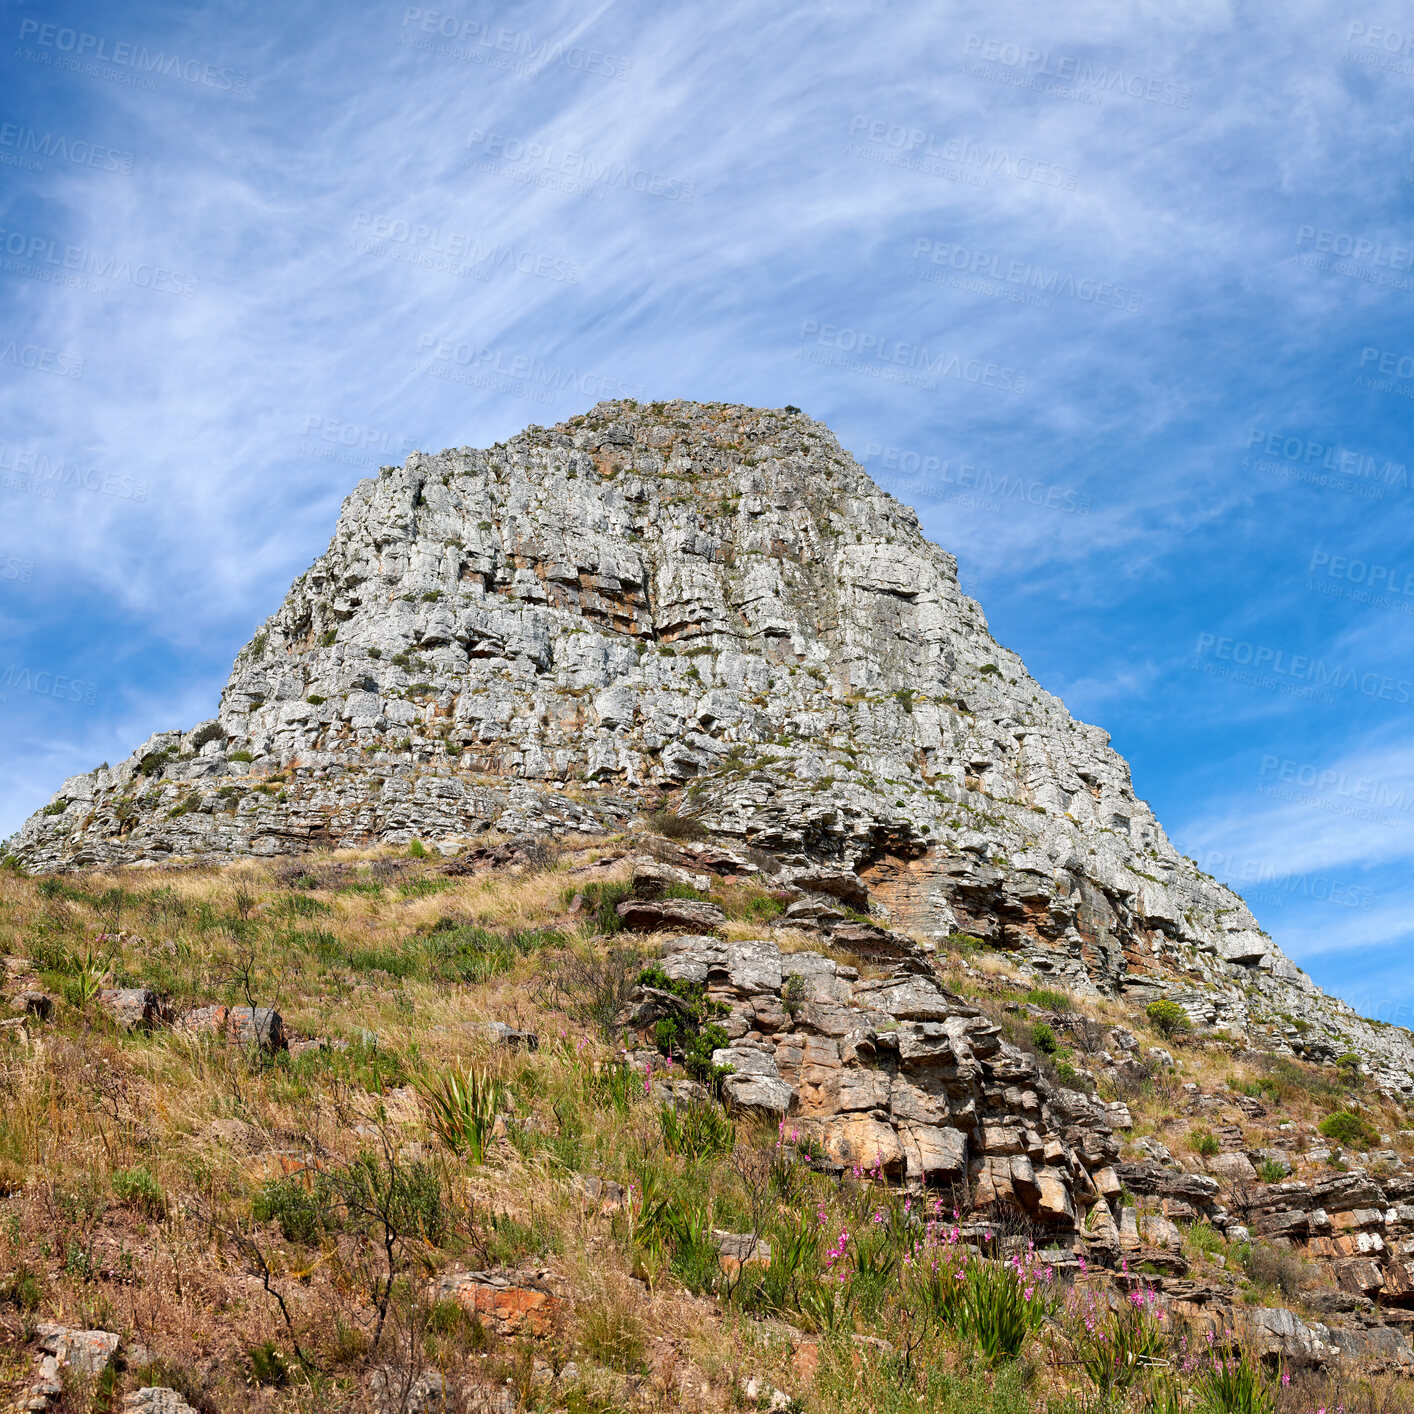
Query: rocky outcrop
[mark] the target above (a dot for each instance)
(893, 1074)
(715, 600)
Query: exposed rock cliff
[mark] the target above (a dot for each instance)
(546, 634)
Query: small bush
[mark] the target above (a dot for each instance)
(417, 850)
(1346, 1127)
(698, 1131)
(693, 1033)
(301, 1208)
(23, 1289)
(241, 756)
(1003, 1305)
(463, 1110)
(1167, 1018)
(1204, 1142)
(137, 1188)
(674, 826)
(600, 901)
(1272, 1170)
(1278, 1267)
(212, 731)
(1048, 998)
(1043, 1037)
(268, 1366)
(593, 985)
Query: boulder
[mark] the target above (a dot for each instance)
(156, 1399)
(862, 1142)
(665, 915)
(39, 1005)
(1234, 1168)
(88, 1352)
(260, 1026)
(736, 1250)
(131, 1008)
(510, 1303)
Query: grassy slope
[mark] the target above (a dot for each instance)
(151, 1180)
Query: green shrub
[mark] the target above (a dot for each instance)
(1348, 1128)
(1233, 1384)
(673, 825)
(691, 1034)
(300, 1203)
(1004, 1304)
(55, 807)
(1168, 1018)
(268, 1365)
(241, 756)
(1044, 1038)
(1272, 1171)
(417, 850)
(137, 1188)
(1204, 1142)
(23, 1289)
(1048, 998)
(600, 902)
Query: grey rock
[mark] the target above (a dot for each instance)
(545, 634)
(33, 1003)
(131, 1007)
(659, 915)
(1233, 1167)
(257, 1026)
(87, 1352)
(156, 1399)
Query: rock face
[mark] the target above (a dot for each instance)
(550, 633)
(894, 1073)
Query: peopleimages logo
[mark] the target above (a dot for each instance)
(584, 172)
(958, 158)
(942, 471)
(23, 147)
(80, 51)
(1392, 257)
(451, 37)
(46, 684)
(1101, 78)
(1246, 873)
(1363, 793)
(523, 375)
(42, 475)
(879, 356)
(40, 360)
(454, 252)
(1295, 673)
(962, 260)
(1303, 459)
(41, 257)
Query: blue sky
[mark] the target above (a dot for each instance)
(1119, 298)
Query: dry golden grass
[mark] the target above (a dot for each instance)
(133, 1167)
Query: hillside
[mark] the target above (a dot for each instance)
(371, 1131)
(713, 603)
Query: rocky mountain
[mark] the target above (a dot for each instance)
(711, 605)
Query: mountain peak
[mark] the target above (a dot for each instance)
(710, 603)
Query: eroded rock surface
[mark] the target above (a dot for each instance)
(547, 634)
